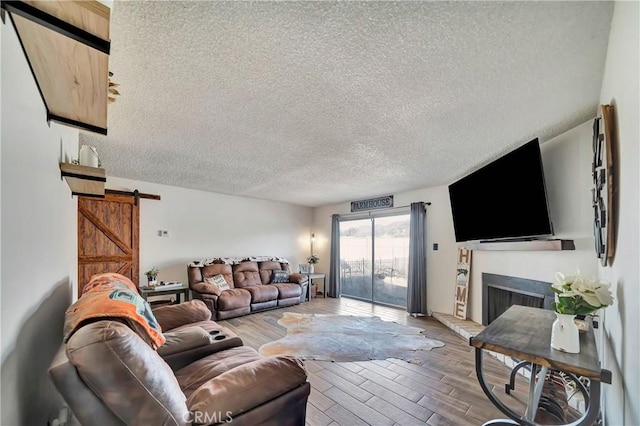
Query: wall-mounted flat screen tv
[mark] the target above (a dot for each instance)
(504, 200)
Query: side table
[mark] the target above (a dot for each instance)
(525, 333)
(183, 290)
(312, 277)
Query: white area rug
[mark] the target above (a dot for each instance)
(347, 338)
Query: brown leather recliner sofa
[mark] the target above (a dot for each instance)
(250, 285)
(202, 375)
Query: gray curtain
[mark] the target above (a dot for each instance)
(417, 280)
(334, 266)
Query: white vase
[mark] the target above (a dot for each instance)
(311, 265)
(565, 336)
(88, 156)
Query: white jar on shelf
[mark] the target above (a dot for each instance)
(88, 156)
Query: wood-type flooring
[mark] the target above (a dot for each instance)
(442, 390)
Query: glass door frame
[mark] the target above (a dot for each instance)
(403, 211)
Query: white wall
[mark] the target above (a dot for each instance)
(38, 254)
(567, 163)
(621, 321)
(0, 187)
(204, 224)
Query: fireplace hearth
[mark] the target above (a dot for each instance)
(499, 292)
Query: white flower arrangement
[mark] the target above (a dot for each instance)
(578, 295)
(313, 259)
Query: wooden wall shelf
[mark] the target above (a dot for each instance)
(531, 245)
(67, 47)
(83, 180)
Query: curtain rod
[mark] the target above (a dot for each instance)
(428, 203)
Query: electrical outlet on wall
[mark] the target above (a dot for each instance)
(163, 233)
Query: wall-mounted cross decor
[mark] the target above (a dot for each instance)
(603, 185)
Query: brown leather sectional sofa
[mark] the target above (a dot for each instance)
(250, 285)
(201, 375)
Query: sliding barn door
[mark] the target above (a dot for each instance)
(108, 237)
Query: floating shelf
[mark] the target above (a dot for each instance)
(67, 47)
(529, 245)
(83, 180)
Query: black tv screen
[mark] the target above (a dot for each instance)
(506, 199)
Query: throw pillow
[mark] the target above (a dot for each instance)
(279, 277)
(218, 281)
(206, 288)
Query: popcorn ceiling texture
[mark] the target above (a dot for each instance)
(315, 103)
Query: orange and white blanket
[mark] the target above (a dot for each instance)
(113, 295)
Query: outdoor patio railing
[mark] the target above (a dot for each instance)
(389, 280)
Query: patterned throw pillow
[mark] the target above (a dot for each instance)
(218, 281)
(279, 277)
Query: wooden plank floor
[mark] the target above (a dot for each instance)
(441, 390)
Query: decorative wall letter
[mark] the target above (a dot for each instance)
(462, 283)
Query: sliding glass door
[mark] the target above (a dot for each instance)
(356, 240)
(374, 258)
(391, 251)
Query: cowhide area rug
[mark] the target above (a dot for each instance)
(346, 338)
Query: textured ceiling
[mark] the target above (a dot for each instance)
(321, 102)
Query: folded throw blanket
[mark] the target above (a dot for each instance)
(113, 295)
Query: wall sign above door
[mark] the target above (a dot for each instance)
(372, 204)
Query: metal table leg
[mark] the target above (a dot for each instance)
(592, 398)
(535, 390)
(494, 400)
(512, 378)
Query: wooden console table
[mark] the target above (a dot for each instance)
(525, 333)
